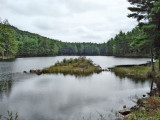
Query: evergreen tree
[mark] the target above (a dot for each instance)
(141, 11)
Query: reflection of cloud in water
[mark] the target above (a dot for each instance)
(61, 97)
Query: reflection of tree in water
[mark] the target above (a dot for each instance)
(158, 86)
(8, 79)
(155, 90)
(155, 83)
(5, 88)
(132, 77)
(78, 75)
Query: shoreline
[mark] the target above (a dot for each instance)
(7, 58)
(14, 57)
(142, 71)
(146, 108)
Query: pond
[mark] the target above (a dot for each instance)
(66, 97)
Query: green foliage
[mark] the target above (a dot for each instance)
(147, 13)
(140, 9)
(8, 44)
(30, 44)
(30, 47)
(126, 44)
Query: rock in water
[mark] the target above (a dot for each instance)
(124, 112)
(124, 106)
(38, 72)
(32, 71)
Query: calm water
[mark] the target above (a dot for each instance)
(59, 97)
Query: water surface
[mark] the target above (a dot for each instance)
(59, 97)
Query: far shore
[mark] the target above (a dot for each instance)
(14, 57)
(7, 57)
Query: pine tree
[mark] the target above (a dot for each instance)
(141, 12)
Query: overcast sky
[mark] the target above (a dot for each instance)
(69, 20)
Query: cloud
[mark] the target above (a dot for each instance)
(69, 20)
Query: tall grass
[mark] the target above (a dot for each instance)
(79, 65)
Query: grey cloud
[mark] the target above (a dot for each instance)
(37, 7)
(83, 5)
(69, 20)
(3, 2)
(43, 25)
(92, 37)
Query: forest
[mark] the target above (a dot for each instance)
(15, 42)
(145, 38)
(142, 41)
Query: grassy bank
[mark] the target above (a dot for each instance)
(78, 66)
(136, 71)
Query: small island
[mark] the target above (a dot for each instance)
(77, 66)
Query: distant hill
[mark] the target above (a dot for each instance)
(25, 44)
(31, 44)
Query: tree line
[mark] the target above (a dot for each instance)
(122, 45)
(24, 44)
(15, 42)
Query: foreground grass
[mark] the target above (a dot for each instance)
(148, 111)
(78, 66)
(136, 71)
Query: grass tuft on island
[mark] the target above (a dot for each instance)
(77, 66)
